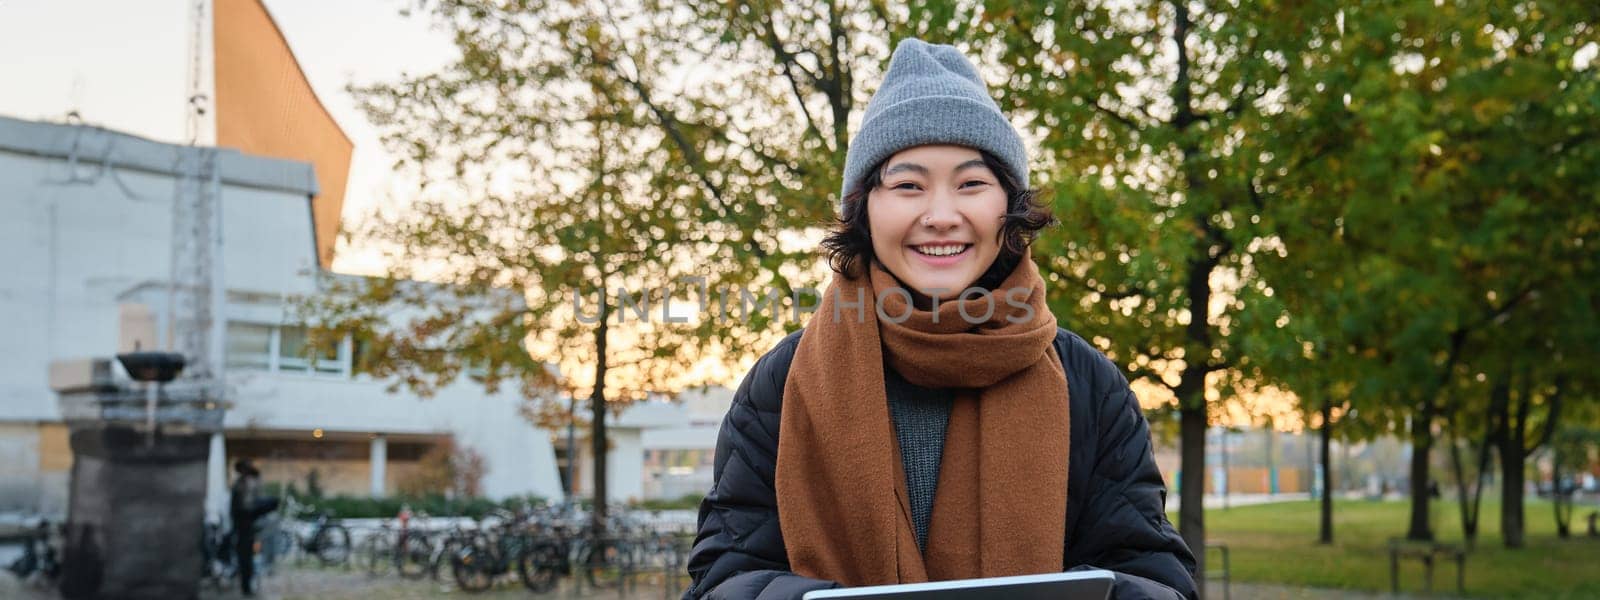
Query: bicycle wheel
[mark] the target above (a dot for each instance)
(444, 552)
(539, 566)
(413, 558)
(472, 567)
(278, 547)
(605, 563)
(331, 544)
(377, 555)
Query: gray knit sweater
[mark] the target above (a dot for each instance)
(920, 416)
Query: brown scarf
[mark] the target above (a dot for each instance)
(1000, 504)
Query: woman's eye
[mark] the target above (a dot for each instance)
(904, 186)
(975, 182)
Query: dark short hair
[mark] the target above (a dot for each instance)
(848, 243)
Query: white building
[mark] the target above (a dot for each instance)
(678, 460)
(658, 449)
(87, 233)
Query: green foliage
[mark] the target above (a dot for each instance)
(1383, 207)
(1441, 246)
(1448, 202)
(280, 489)
(1163, 140)
(577, 148)
(363, 507)
(687, 502)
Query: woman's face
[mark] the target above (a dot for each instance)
(935, 220)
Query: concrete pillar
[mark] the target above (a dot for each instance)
(217, 478)
(137, 499)
(379, 460)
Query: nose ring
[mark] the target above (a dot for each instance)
(924, 221)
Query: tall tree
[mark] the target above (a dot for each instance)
(565, 159)
(1156, 124)
(1462, 418)
(688, 148)
(1510, 117)
(1454, 189)
(1571, 451)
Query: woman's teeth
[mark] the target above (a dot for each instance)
(941, 250)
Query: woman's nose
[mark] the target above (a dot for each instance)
(941, 216)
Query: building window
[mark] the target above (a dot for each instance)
(360, 355)
(284, 348)
(249, 346)
(296, 354)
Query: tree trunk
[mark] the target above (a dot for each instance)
(1499, 396)
(597, 398)
(1563, 506)
(1560, 500)
(1511, 475)
(1514, 452)
(1562, 496)
(1210, 248)
(572, 448)
(1470, 494)
(1421, 527)
(1421, 448)
(1192, 484)
(597, 439)
(1513, 456)
(1325, 535)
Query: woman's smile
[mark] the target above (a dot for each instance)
(942, 254)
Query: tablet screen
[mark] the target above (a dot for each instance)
(1077, 585)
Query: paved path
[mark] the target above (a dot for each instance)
(307, 584)
(1219, 501)
(336, 584)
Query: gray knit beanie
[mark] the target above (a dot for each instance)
(931, 94)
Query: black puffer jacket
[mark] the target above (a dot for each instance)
(1115, 517)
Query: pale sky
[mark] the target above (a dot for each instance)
(125, 65)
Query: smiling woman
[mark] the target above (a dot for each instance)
(939, 434)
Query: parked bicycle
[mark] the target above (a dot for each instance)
(562, 544)
(40, 563)
(663, 552)
(220, 562)
(321, 536)
(398, 547)
(549, 556)
(540, 545)
(483, 555)
(445, 545)
(220, 559)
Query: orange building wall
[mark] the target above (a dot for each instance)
(266, 106)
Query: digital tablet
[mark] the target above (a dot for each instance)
(1077, 585)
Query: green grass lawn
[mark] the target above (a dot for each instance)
(1276, 543)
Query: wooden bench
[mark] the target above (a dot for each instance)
(1427, 552)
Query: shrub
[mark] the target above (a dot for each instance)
(360, 507)
(688, 501)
